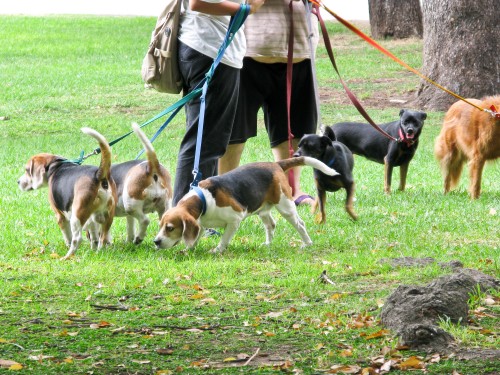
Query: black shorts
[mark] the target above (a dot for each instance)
(264, 86)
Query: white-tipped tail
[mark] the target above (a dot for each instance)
(320, 166)
(148, 146)
(100, 138)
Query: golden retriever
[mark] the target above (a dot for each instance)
(468, 134)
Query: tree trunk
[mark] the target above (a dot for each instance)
(461, 50)
(397, 19)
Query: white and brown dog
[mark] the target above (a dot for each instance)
(83, 197)
(226, 200)
(142, 187)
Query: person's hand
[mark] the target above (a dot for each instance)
(255, 5)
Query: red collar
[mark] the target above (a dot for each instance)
(402, 138)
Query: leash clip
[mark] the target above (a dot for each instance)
(197, 178)
(493, 112)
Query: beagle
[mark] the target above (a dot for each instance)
(142, 187)
(83, 197)
(226, 200)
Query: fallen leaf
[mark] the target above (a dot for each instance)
(273, 314)
(16, 367)
(5, 363)
(144, 362)
(344, 369)
(164, 351)
(411, 363)
(382, 332)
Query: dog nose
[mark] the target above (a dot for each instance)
(296, 154)
(410, 131)
(157, 242)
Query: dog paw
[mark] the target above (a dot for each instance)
(216, 250)
(138, 240)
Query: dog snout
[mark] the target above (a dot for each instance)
(157, 242)
(297, 153)
(410, 131)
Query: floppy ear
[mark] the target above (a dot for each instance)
(401, 112)
(423, 115)
(38, 174)
(191, 231)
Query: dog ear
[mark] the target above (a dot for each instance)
(191, 231)
(423, 115)
(401, 112)
(326, 141)
(329, 133)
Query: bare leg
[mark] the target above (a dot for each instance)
(231, 159)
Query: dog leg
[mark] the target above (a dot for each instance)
(403, 172)
(452, 165)
(476, 166)
(93, 230)
(321, 202)
(130, 228)
(143, 221)
(76, 231)
(288, 210)
(105, 238)
(65, 229)
(387, 176)
(229, 232)
(269, 224)
(349, 199)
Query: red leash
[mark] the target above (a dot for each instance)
(349, 93)
(289, 75)
(492, 110)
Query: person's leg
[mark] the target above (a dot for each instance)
(303, 117)
(221, 103)
(231, 159)
(250, 97)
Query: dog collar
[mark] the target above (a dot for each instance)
(402, 138)
(200, 194)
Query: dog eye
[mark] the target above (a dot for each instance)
(169, 228)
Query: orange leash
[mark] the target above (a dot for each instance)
(492, 110)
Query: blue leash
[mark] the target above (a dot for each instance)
(236, 21)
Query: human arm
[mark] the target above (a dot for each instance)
(224, 8)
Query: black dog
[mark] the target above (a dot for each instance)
(364, 140)
(337, 156)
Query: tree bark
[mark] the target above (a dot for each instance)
(396, 19)
(461, 50)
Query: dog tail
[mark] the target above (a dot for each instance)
(153, 163)
(105, 166)
(286, 164)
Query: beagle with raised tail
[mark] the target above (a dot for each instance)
(83, 197)
(142, 187)
(226, 200)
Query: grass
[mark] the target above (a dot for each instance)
(170, 313)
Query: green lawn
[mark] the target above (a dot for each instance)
(135, 310)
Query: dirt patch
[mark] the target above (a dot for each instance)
(413, 312)
(389, 95)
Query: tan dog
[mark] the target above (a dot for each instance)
(226, 200)
(83, 197)
(142, 187)
(468, 134)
